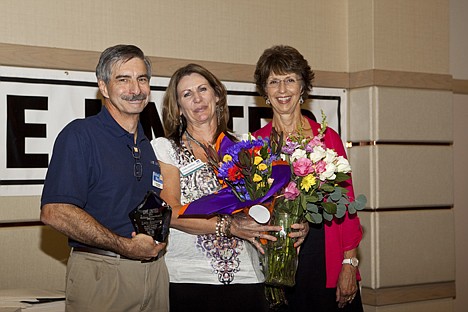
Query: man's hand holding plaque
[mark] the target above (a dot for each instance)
(152, 217)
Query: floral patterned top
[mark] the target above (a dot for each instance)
(204, 259)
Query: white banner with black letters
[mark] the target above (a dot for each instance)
(35, 104)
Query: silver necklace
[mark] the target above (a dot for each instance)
(189, 136)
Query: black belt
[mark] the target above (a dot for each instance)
(98, 251)
(107, 253)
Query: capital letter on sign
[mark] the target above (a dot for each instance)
(18, 130)
(151, 122)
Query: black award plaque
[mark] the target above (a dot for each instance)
(152, 217)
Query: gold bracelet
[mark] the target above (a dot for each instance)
(227, 226)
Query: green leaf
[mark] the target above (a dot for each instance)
(311, 198)
(312, 207)
(329, 207)
(361, 199)
(343, 200)
(327, 216)
(276, 140)
(314, 218)
(336, 195)
(340, 177)
(360, 206)
(244, 159)
(343, 190)
(340, 210)
(328, 188)
(264, 153)
(352, 208)
(245, 172)
(320, 196)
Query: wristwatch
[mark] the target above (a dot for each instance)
(353, 261)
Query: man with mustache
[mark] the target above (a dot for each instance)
(101, 168)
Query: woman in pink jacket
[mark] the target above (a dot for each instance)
(327, 276)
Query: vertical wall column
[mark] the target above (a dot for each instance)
(400, 118)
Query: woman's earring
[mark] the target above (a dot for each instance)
(267, 101)
(301, 101)
(181, 126)
(219, 111)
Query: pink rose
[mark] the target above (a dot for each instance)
(313, 143)
(302, 167)
(320, 167)
(291, 192)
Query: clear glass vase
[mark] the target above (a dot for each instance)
(280, 262)
(276, 298)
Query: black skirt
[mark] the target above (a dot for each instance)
(310, 292)
(217, 298)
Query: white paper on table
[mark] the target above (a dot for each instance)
(15, 298)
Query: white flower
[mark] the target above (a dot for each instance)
(317, 154)
(298, 153)
(330, 155)
(329, 173)
(342, 164)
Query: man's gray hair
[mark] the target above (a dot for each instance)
(119, 54)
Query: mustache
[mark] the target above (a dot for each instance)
(136, 97)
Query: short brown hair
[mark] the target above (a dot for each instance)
(281, 60)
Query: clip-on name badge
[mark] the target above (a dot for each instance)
(192, 167)
(158, 180)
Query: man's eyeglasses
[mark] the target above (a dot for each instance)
(137, 167)
(288, 82)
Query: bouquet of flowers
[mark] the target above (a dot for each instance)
(316, 189)
(246, 167)
(251, 170)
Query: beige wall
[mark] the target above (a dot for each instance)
(399, 35)
(403, 129)
(401, 108)
(231, 32)
(460, 203)
(459, 70)
(32, 257)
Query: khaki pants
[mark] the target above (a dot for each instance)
(100, 283)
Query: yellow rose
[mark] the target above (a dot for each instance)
(227, 158)
(262, 167)
(257, 178)
(307, 182)
(257, 160)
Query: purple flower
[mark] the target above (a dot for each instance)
(289, 147)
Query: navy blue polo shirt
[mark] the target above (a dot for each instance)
(92, 167)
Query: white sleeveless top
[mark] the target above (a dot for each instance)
(204, 259)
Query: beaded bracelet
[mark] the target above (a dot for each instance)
(218, 226)
(223, 226)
